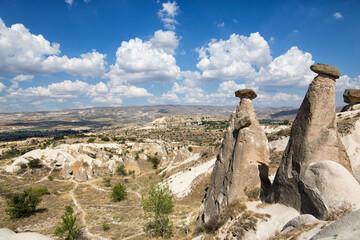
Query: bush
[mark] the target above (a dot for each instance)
(155, 161)
(22, 204)
(107, 181)
(34, 163)
(68, 229)
(118, 192)
(252, 194)
(50, 178)
(159, 201)
(91, 140)
(105, 226)
(105, 139)
(23, 166)
(41, 191)
(190, 149)
(121, 170)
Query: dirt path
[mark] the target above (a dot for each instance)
(83, 213)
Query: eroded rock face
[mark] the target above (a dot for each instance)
(313, 138)
(242, 161)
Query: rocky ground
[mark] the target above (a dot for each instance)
(80, 167)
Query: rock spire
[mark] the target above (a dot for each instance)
(242, 161)
(313, 139)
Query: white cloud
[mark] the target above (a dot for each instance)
(90, 64)
(234, 58)
(346, 82)
(221, 25)
(2, 86)
(168, 13)
(277, 100)
(139, 61)
(22, 52)
(272, 39)
(107, 99)
(23, 77)
(291, 69)
(70, 2)
(337, 15)
(165, 40)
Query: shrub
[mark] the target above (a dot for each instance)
(159, 201)
(23, 166)
(22, 204)
(41, 191)
(105, 139)
(118, 192)
(105, 226)
(50, 178)
(107, 181)
(252, 194)
(121, 170)
(34, 163)
(155, 161)
(68, 229)
(190, 149)
(91, 140)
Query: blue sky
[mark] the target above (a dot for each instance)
(64, 54)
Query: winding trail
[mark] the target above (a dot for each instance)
(83, 213)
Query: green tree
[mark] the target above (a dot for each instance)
(22, 204)
(34, 163)
(121, 170)
(118, 192)
(68, 229)
(159, 201)
(155, 161)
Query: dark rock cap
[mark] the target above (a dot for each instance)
(352, 96)
(246, 93)
(326, 69)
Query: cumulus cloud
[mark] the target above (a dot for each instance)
(165, 40)
(337, 15)
(89, 64)
(168, 13)
(346, 82)
(288, 70)
(234, 58)
(23, 52)
(248, 59)
(139, 61)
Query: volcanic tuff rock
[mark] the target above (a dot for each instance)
(242, 161)
(313, 138)
(326, 69)
(352, 96)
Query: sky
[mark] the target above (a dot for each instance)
(70, 54)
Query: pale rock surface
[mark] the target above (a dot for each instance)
(313, 138)
(131, 165)
(352, 146)
(346, 228)
(351, 107)
(331, 186)
(7, 234)
(242, 161)
(296, 222)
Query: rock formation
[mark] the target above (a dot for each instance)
(352, 97)
(242, 161)
(313, 139)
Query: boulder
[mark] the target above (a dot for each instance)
(242, 161)
(296, 222)
(352, 96)
(313, 138)
(81, 174)
(246, 93)
(345, 228)
(326, 69)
